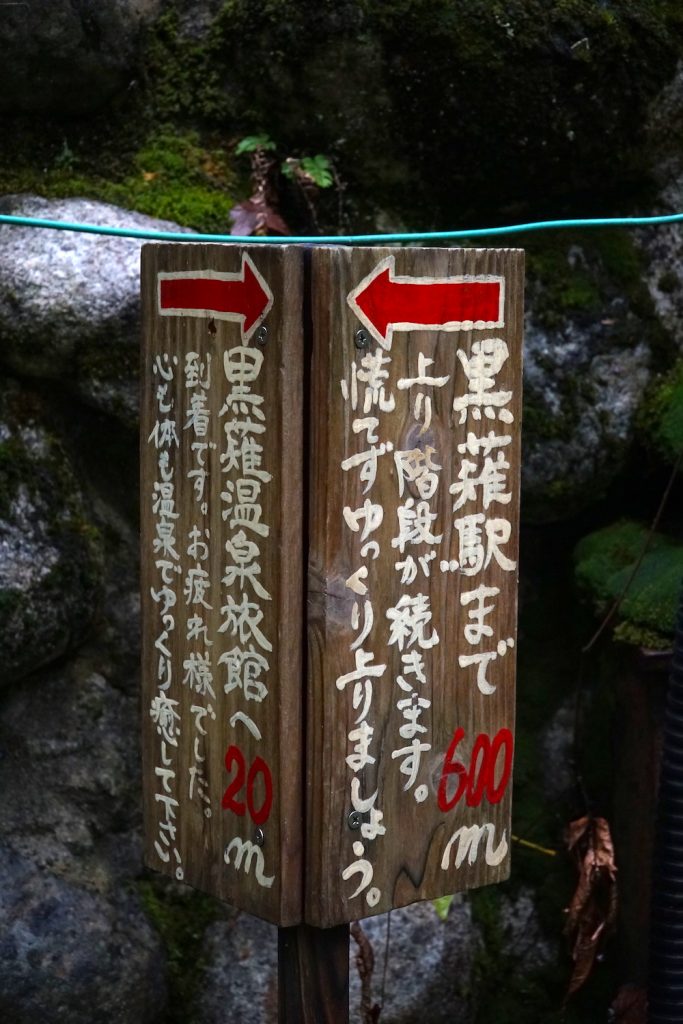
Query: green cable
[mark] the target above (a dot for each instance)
(423, 236)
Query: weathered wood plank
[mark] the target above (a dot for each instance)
(313, 975)
(414, 506)
(221, 464)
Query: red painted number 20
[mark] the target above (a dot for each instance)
(479, 779)
(234, 759)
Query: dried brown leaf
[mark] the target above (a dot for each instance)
(255, 216)
(244, 219)
(274, 222)
(575, 830)
(630, 1005)
(593, 907)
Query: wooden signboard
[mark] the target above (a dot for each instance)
(395, 432)
(221, 503)
(414, 509)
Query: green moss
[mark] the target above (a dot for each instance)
(171, 176)
(579, 272)
(661, 416)
(349, 80)
(640, 636)
(181, 918)
(604, 564)
(605, 552)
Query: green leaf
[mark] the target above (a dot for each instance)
(442, 906)
(250, 143)
(318, 169)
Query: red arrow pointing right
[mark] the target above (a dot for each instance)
(385, 303)
(244, 296)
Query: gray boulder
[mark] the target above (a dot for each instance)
(662, 245)
(75, 944)
(69, 956)
(69, 761)
(239, 985)
(583, 383)
(522, 933)
(70, 302)
(430, 965)
(50, 553)
(663, 249)
(557, 753)
(68, 56)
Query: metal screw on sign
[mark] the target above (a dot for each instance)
(259, 837)
(361, 339)
(354, 820)
(262, 334)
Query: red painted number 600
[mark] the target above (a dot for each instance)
(479, 779)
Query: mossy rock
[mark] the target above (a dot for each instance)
(50, 553)
(439, 113)
(605, 561)
(661, 418)
(181, 916)
(591, 345)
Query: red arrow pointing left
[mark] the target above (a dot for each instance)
(244, 297)
(385, 302)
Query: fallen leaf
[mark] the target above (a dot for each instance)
(592, 911)
(243, 219)
(255, 217)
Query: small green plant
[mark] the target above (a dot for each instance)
(66, 158)
(260, 213)
(317, 169)
(252, 143)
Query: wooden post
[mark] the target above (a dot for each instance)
(313, 975)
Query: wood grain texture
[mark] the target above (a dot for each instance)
(405, 862)
(203, 827)
(313, 975)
